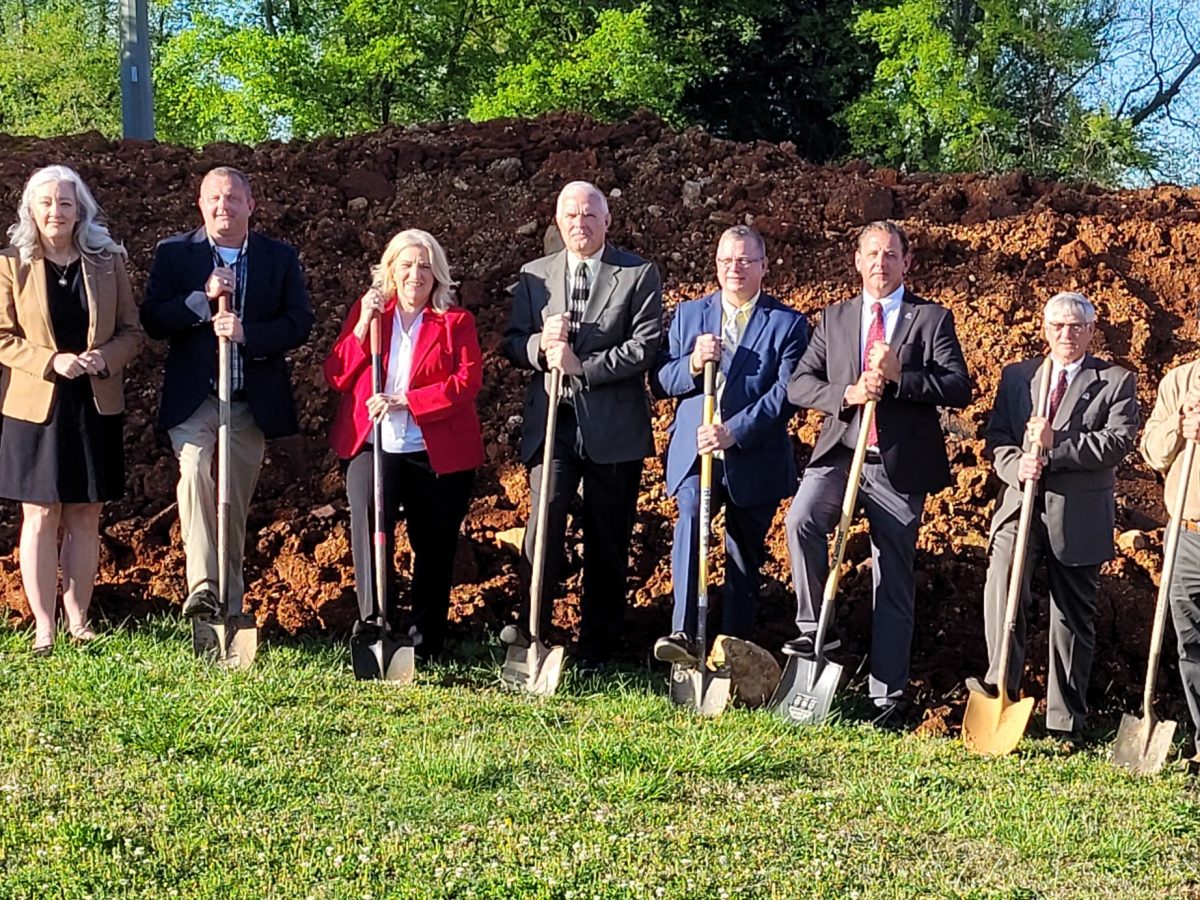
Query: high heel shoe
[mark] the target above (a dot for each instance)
(82, 634)
(43, 646)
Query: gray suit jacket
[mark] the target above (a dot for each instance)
(617, 343)
(933, 373)
(1095, 427)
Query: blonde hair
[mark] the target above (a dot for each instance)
(91, 235)
(441, 298)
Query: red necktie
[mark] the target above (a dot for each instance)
(1056, 396)
(874, 333)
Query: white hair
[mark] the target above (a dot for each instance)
(1073, 302)
(581, 187)
(91, 235)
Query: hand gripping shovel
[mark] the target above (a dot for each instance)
(1142, 744)
(230, 638)
(805, 692)
(537, 668)
(694, 685)
(378, 655)
(993, 726)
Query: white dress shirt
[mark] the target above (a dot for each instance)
(891, 315)
(401, 434)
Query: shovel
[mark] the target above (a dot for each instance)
(694, 685)
(993, 726)
(536, 669)
(380, 656)
(1142, 744)
(806, 689)
(231, 638)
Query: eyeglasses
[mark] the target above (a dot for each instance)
(1071, 327)
(737, 262)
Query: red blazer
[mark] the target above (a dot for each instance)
(447, 372)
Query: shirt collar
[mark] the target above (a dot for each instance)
(1072, 370)
(890, 302)
(728, 310)
(592, 263)
(217, 249)
(416, 323)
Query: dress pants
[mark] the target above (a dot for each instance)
(1185, 613)
(745, 533)
(434, 508)
(195, 445)
(1072, 622)
(610, 492)
(894, 520)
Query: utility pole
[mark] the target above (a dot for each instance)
(137, 94)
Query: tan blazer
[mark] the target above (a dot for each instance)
(27, 342)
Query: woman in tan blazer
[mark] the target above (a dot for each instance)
(68, 328)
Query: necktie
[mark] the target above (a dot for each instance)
(875, 333)
(579, 299)
(1056, 396)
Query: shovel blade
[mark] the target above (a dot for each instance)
(1142, 745)
(241, 643)
(535, 669)
(208, 638)
(805, 693)
(401, 663)
(993, 726)
(707, 693)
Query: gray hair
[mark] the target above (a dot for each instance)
(441, 298)
(744, 233)
(887, 227)
(240, 178)
(581, 187)
(1073, 302)
(91, 235)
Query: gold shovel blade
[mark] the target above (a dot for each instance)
(401, 667)
(1142, 745)
(993, 726)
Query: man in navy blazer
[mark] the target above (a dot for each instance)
(756, 341)
(269, 314)
(888, 345)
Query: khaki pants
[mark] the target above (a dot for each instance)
(195, 444)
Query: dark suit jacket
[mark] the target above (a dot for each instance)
(933, 374)
(617, 343)
(1095, 427)
(759, 468)
(276, 318)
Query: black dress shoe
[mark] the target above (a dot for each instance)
(515, 636)
(806, 645)
(591, 666)
(365, 632)
(893, 717)
(1068, 741)
(979, 686)
(678, 648)
(201, 604)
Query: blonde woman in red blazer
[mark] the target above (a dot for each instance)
(68, 328)
(431, 437)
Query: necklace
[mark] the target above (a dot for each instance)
(60, 272)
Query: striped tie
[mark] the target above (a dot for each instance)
(874, 334)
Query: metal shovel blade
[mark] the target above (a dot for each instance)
(535, 669)
(241, 643)
(805, 692)
(707, 693)
(993, 726)
(1143, 744)
(399, 666)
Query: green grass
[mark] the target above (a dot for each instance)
(128, 769)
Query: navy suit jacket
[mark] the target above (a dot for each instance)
(276, 318)
(933, 373)
(760, 467)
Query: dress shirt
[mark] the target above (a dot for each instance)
(891, 315)
(401, 434)
(593, 269)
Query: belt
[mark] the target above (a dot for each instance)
(238, 396)
(873, 457)
(1190, 525)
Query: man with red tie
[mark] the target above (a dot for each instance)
(1091, 425)
(888, 345)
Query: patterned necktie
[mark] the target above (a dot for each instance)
(579, 299)
(875, 333)
(1060, 391)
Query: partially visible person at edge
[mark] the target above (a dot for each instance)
(755, 341)
(430, 438)
(268, 315)
(594, 312)
(68, 328)
(1174, 420)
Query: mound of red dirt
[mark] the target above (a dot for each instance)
(992, 249)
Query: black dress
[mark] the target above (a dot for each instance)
(77, 455)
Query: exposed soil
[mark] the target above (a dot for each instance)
(993, 249)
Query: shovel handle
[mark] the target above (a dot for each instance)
(1021, 546)
(1170, 552)
(379, 535)
(705, 516)
(224, 418)
(537, 576)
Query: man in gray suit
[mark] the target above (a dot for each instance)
(888, 345)
(1091, 426)
(595, 312)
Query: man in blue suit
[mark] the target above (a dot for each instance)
(756, 342)
(268, 315)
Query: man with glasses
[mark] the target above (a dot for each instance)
(890, 346)
(1091, 424)
(756, 342)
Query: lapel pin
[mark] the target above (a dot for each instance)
(1087, 396)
